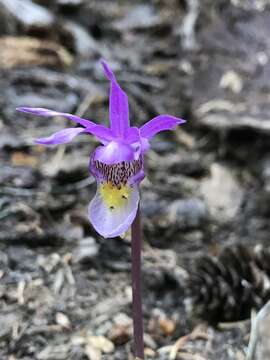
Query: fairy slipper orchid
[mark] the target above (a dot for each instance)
(117, 164)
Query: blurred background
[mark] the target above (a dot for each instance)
(64, 291)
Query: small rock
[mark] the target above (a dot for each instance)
(49, 263)
(115, 254)
(18, 176)
(231, 81)
(72, 233)
(120, 334)
(122, 319)
(56, 352)
(154, 279)
(9, 140)
(3, 261)
(70, 169)
(82, 42)
(188, 213)
(265, 173)
(20, 158)
(139, 17)
(71, 3)
(22, 258)
(152, 205)
(167, 326)
(150, 342)
(259, 345)
(7, 322)
(28, 13)
(222, 192)
(150, 353)
(62, 320)
(86, 251)
(121, 331)
(92, 353)
(101, 343)
(190, 165)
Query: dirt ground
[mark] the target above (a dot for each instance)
(65, 292)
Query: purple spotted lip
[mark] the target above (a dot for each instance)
(117, 164)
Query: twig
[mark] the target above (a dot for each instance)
(187, 30)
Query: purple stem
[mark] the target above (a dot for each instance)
(136, 244)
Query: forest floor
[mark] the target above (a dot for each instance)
(65, 292)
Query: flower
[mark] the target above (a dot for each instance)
(117, 164)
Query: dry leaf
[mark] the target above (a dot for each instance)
(29, 51)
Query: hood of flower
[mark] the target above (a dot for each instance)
(115, 152)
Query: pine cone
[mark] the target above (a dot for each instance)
(227, 287)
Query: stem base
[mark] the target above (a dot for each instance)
(136, 287)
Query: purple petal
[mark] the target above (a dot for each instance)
(145, 145)
(114, 152)
(132, 135)
(159, 123)
(93, 169)
(113, 221)
(104, 134)
(47, 112)
(60, 137)
(108, 71)
(135, 140)
(119, 115)
(136, 179)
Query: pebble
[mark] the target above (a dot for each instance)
(62, 320)
(222, 192)
(82, 42)
(3, 261)
(22, 258)
(7, 322)
(167, 326)
(28, 13)
(49, 263)
(86, 251)
(265, 173)
(101, 343)
(153, 279)
(259, 345)
(120, 334)
(70, 2)
(92, 353)
(232, 81)
(54, 352)
(139, 17)
(188, 213)
(122, 319)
